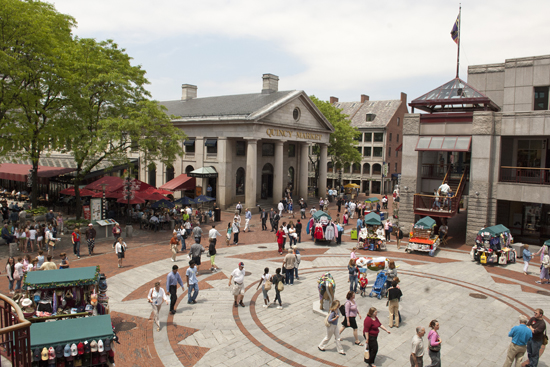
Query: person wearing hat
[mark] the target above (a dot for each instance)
(90, 238)
(172, 281)
(155, 298)
(237, 281)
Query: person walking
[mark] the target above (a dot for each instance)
(212, 251)
(280, 235)
(276, 279)
(544, 264)
(298, 227)
(271, 216)
(18, 274)
(280, 207)
(371, 327)
(10, 269)
(197, 232)
(332, 328)
(120, 250)
(288, 263)
(538, 327)
(239, 208)
(228, 234)
(116, 233)
(353, 273)
(297, 263)
(236, 280)
(213, 234)
(155, 297)
(172, 280)
(394, 297)
(526, 258)
(192, 283)
(292, 236)
(350, 316)
(417, 353)
(520, 334)
(303, 206)
(174, 242)
(195, 252)
(247, 218)
(75, 238)
(263, 217)
(398, 237)
(235, 229)
(266, 277)
(90, 238)
(434, 344)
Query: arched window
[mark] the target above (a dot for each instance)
(240, 181)
(152, 174)
(189, 169)
(347, 167)
(366, 169)
(356, 168)
(376, 169)
(169, 173)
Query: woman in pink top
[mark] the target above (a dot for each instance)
(350, 315)
(434, 345)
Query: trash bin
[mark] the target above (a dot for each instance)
(217, 215)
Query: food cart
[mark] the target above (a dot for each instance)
(369, 238)
(494, 245)
(422, 238)
(324, 230)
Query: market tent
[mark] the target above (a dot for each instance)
(185, 201)
(203, 199)
(163, 204)
(83, 192)
(319, 213)
(62, 332)
(495, 230)
(61, 278)
(142, 186)
(152, 190)
(136, 200)
(425, 223)
(372, 200)
(204, 172)
(180, 183)
(352, 186)
(372, 219)
(110, 181)
(108, 195)
(153, 196)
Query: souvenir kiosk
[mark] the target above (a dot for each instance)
(422, 238)
(69, 312)
(493, 245)
(324, 230)
(369, 239)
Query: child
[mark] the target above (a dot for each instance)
(526, 258)
(64, 262)
(363, 282)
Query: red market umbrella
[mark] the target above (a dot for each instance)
(142, 186)
(83, 192)
(108, 195)
(153, 197)
(136, 200)
(152, 190)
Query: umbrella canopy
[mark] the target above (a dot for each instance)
(83, 192)
(372, 219)
(372, 200)
(185, 201)
(108, 195)
(153, 197)
(163, 204)
(152, 190)
(319, 213)
(110, 183)
(547, 242)
(426, 222)
(136, 200)
(203, 199)
(142, 186)
(495, 230)
(352, 186)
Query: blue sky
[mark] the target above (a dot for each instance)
(327, 48)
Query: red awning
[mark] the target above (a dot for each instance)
(143, 186)
(182, 182)
(399, 147)
(111, 183)
(19, 172)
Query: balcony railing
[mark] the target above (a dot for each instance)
(15, 342)
(527, 175)
(440, 171)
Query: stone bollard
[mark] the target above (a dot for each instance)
(129, 231)
(172, 224)
(13, 250)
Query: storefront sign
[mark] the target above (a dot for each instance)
(87, 213)
(95, 205)
(290, 134)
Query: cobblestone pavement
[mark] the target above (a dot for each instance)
(475, 305)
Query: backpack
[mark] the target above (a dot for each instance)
(546, 261)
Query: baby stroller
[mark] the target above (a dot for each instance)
(379, 288)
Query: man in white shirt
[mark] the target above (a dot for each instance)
(352, 207)
(189, 210)
(417, 354)
(154, 220)
(443, 189)
(280, 207)
(236, 280)
(213, 233)
(247, 217)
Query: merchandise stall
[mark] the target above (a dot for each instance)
(372, 236)
(324, 230)
(493, 245)
(422, 238)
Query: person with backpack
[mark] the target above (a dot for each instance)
(278, 282)
(350, 311)
(266, 284)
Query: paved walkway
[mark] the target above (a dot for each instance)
(475, 305)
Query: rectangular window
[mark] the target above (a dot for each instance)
(377, 152)
(398, 120)
(367, 151)
(389, 152)
(240, 148)
(390, 136)
(395, 170)
(396, 153)
(368, 137)
(268, 149)
(359, 149)
(211, 146)
(291, 150)
(358, 137)
(189, 146)
(378, 137)
(541, 98)
(397, 138)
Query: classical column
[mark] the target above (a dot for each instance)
(251, 173)
(278, 172)
(323, 171)
(303, 175)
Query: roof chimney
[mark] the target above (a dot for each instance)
(364, 98)
(271, 83)
(333, 100)
(188, 91)
(404, 97)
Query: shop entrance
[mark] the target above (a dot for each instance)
(212, 181)
(267, 181)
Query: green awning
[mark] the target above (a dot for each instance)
(425, 223)
(61, 278)
(372, 219)
(62, 332)
(495, 230)
(204, 172)
(319, 213)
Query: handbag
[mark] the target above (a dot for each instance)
(435, 348)
(366, 354)
(267, 285)
(16, 275)
(327, 323)
(280, 286)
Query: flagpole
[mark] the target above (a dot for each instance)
(458, 52)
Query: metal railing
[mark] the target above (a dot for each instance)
(527, 175)
(442, 171)
(15, 330)
(449, 204)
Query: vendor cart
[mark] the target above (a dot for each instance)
(369, 237)
(422, 237)
(324, 230)
(493, 245)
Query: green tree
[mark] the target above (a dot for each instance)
(33, 40)
(342, 143)
(109, 114)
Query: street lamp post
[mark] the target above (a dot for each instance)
(104, 203)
